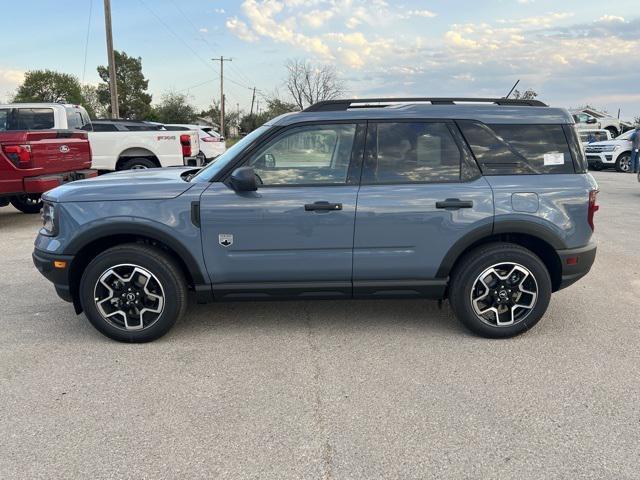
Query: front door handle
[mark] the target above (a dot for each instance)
(454, 204)
(322, 206)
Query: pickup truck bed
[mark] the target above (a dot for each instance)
(32, 162)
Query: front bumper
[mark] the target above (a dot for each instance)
(44, 183)
(576, 263)
(44, 262)
(600, 160)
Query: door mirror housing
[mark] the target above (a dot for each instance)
(592, 120)
(243, 179)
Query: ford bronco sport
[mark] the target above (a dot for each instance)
(485, 202)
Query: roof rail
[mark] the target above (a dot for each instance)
(337, 105)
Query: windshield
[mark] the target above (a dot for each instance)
(211, 170)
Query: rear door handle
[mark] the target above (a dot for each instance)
(454, 204)
(322, 206)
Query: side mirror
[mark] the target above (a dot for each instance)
(592, 120)
(243, 179)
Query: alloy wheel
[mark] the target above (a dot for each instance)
(504, 294)
(129, 297)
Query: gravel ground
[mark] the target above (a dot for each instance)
(333, 390)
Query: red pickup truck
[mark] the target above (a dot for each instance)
(34, 161)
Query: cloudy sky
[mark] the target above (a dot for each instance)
(572, 52)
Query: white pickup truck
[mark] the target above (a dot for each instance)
(116, 145)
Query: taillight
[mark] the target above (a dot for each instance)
(20, 155)
(185, 141)
(593, 207)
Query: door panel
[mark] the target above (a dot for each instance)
(421, 193)
(295, 233)
(402, 235)
(274, 238)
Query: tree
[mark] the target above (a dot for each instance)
(91, 102)
(275, 107)
(49, 86)
(174, 108)
(308, 83)
(133, 100)
(528, 94)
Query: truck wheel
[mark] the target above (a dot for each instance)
(623, 163)
(27, 203)
(500, 290)
(133, 293)
(138, 163)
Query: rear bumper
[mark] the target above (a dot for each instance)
(576, 263)
(43, 183)
(197, 161)
(58, 276)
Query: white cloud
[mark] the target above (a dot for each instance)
(611, 19)
(420, 13)
(204, 30)
(316, 18)
(241, 30)
(9, 81)
(219, 10)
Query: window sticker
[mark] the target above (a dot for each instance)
(553, 159)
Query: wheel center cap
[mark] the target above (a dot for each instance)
(131, 297)
(503, 294)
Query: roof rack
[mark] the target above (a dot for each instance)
(337, 105)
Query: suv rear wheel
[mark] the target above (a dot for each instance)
(133, 293)
(500, 290)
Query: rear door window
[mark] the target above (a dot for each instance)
(411, 152)
(519, 149)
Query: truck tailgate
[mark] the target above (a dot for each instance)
(59, 151)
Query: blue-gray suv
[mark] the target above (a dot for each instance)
(484, 202)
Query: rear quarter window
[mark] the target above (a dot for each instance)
(30, 119)
(519, 149)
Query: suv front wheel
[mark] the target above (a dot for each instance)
(500, 290)
(133, 293)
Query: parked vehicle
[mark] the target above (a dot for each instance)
(32, 162)
(211, 143)
(488, 206)
(590, 118)
(117, 144)
(615, 153)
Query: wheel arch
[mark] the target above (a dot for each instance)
(541, 241)
(92, 242)
(136, 152)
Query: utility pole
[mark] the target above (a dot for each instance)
(113, 81)
(253, 99)
(222, 60)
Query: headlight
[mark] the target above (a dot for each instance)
(49, 221)
(610, 148)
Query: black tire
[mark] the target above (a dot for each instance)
(140, 163)
(473, 264)
(27, 203)
(623, 162)
(156, 262)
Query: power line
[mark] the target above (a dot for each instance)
(172, 32)
(86, 42)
